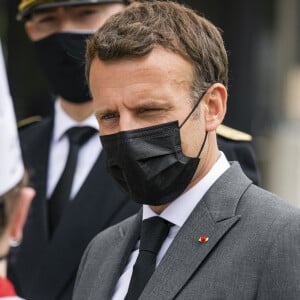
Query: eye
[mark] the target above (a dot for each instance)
(88, 12)
(109, 116)
(149, 109)
(45, 18)
(108, 121)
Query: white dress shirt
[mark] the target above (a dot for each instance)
(177, 213)
(59, 149)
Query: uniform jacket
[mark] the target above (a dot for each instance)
(237, 146)
(44, 269)
(252, 251)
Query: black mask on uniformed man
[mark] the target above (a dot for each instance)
(62, 57)
(148, 163)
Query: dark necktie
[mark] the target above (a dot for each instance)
(61, 194)
(154, 232)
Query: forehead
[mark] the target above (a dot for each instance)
(159, 67)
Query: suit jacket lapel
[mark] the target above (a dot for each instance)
(213, 217)
(114, 264)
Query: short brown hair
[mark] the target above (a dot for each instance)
(137, 30)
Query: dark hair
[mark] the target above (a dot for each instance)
(141, 27)
(8, 202)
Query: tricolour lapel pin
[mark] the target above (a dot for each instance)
(203, 239)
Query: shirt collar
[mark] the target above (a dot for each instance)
(180, 209)
(63, 122)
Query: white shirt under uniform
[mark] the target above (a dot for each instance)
(59, 149)
(177, 213)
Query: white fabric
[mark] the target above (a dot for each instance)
(11, 165)
(59, 150)
(177, 213)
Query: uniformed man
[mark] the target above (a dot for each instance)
(67, 210)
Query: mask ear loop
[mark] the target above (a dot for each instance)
(188, 116)
(202, 146)
(194, 108)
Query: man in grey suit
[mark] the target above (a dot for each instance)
(158, 77)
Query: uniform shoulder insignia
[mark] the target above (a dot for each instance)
(233, 134)
(28, 121)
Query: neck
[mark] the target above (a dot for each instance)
(160, 208)
(77, 111)
(209, 156)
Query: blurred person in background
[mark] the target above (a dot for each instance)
(75, 198)
(15, 197)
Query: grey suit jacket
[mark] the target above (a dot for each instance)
(253, 251)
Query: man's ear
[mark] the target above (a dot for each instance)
(20, 213)
(215, 102)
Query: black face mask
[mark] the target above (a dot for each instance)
(148, 163)
(62, 57)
